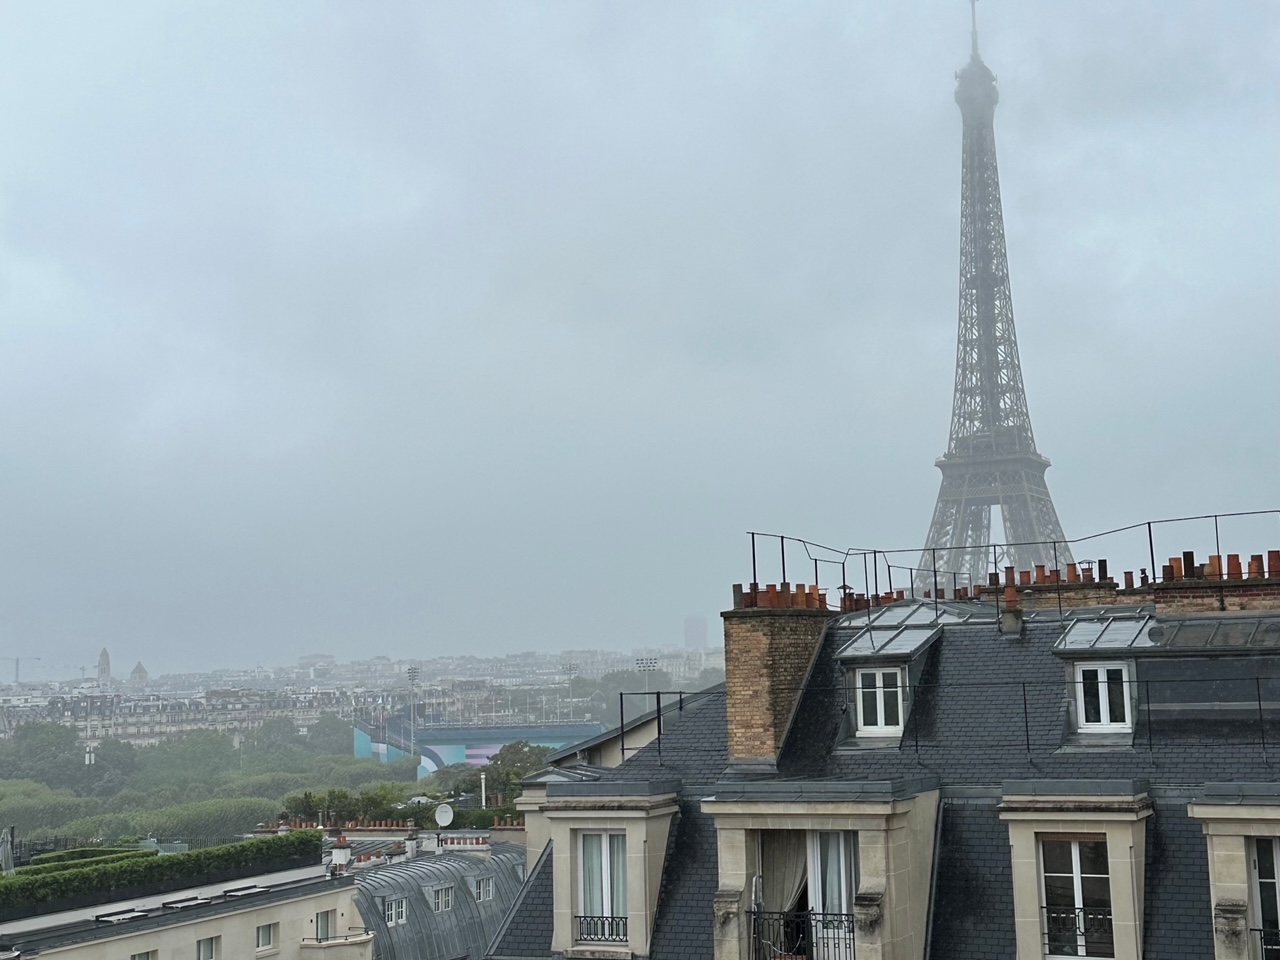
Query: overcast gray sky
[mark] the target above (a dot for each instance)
(415, 328)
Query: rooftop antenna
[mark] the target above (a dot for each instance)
(973, 16)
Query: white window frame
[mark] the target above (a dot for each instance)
(484, 888)
(212, 952)
(1106, 724)
(393, 910)
(1077, 877)
(330, 924)
(882, 694)
(144, 955)
(845, 842)
(606, 872)
(442, 898)
(1257, 919)
(273, 937)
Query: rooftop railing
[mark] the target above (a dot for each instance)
(1078, 932)
(790, 935)
(601, 929)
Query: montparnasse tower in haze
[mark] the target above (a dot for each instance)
(991, 459)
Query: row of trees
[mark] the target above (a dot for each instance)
(204, 786)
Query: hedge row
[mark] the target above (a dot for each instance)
(77, 853)
(39, 869)
(137, 871)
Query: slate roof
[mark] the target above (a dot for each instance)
(968, 728)
(462, 931)
(526, 932)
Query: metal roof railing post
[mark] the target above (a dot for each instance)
(1026, 720)
(1262, 722)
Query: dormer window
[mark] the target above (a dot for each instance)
(1102, 697)
(879, 701)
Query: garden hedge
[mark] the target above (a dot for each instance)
(139, 871)
(38, 869)
(78, 853)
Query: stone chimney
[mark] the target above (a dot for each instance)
(770, 639)
(1011, 617)
(341, 855)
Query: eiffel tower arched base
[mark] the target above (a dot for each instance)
(960, 534)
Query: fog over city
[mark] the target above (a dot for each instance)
(419, 328)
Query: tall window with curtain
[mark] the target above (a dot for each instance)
(603, 886)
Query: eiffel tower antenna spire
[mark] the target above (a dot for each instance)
(991, 458)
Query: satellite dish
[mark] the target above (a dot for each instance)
(444, 814)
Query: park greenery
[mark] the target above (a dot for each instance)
(56, 880)
(207, 787)
(203, 787)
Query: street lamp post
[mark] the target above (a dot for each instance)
(570, 668)
(413, 714)
(646, 665)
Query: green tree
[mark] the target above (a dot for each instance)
(331, 734)
(382, 801)
(339, 805)
(452, 780)
(511, 764)
(47, 753)
(302, 806)
(275, 735)
(188, 763)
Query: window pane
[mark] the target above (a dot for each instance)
(592, 875)
(1092, 700)
(1096, 891)
(1059, 892)
(1093, 857)
(1268, 910)
(870, 713)
(892, 713)
(1115, 695)
(617, 875)
(1266, 859)
(1057, 856)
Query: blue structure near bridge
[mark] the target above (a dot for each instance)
(439, 745)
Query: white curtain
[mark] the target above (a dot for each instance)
(618, 874)
(592, 875)
(782, 866)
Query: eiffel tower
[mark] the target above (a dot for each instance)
(991, 458)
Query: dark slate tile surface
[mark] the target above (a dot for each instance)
(684, 923)
(526, 932)
(1179, 916)
(973, 916)
(972, 728)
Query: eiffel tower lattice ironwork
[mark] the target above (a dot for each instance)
(991, 458)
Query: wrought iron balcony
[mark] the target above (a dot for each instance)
(602, 929)
(801, 934)
(1078, 932)
(1268, 943)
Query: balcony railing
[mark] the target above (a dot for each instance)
(602, 929)
(1078, 932)
(1268, 943)
(802, 933)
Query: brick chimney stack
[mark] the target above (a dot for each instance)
(770, 640)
